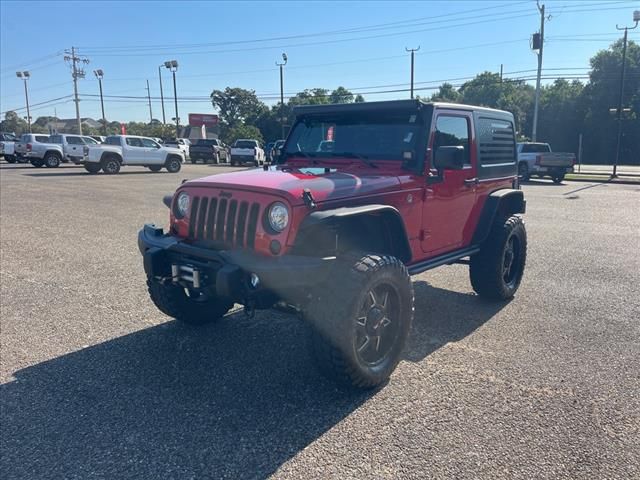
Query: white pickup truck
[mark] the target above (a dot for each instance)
(119, 150)
(8, 147)
(538, 159)
(245, 151)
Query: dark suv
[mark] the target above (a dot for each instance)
(334, 234)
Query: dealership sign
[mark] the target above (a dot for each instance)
(199, 119)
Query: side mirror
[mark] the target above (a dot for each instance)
(449, 157)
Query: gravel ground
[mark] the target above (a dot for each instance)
(96, 383)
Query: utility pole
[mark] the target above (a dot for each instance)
(413, 51)
(636, 18)
(76, 73)
(149, 98)
(540, 44)
(25, 76)
(99, 74)
(164, 120)
(501, 65)
(284, 58)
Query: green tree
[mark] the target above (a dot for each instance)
(236, 106)
(359, 99)
(310, 96)
(446, 93)
(242, 131)
(13, 123)
(341, 95)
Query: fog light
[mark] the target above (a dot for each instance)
(275, 247)
(255, 280)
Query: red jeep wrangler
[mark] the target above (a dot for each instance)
(362, 197)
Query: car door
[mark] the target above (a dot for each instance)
(74, 146)
(135, 153)
(154, 154)
(451, 194)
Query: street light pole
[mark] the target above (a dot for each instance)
(149, 99)
(172, 65)
(636, 18)
(164, 120)
(25, 76)
(284, 58)
(99, 74)
(413, 51)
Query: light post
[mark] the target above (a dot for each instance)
(164, 120)
(413, 52)
(284, 58)
(172, 65)
(99, 74)
(25, 76)
(636, 19)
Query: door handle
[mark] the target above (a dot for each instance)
(470, 182)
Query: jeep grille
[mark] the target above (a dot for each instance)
(231, 223)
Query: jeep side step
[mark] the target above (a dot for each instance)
(445, 259)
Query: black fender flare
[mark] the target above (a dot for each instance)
(388, 214)
(56, 152)
(506, 201)
(107, 154)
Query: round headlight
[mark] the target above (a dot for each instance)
(182, 205)
(278, 216)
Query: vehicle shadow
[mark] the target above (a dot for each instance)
(539, 182)
(232, 400)
(97, 175)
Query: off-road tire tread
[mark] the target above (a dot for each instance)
(172, 301)
(352, 272)
(485, 267)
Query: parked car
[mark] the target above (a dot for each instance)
(72, 145)
(98, 138)
(120, 150)
(180, 143)
(8, 147)
(208, 150)
(245, 151)
(277, 150)
(39, 151)
(537, 159)
(334, 237)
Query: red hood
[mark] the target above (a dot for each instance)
(291, 182)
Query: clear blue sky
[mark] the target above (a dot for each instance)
(220, 44)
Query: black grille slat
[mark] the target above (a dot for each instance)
(222, 212)
(241, 223)
(194, 216)
(231, 221)
(253, 225)
(211, 218)
(201, 218)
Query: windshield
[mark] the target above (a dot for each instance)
(368, 135)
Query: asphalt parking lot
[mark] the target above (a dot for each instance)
(96, 383)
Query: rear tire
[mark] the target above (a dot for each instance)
(52, 160)
(155, 168)
(37, 163)
(523, 172)
(173, 164)
(496, 271)
(193, 160)
(10, 159)
(361, 320)
(92, 168)
(174, 302)
(558, 178)
(111, 165)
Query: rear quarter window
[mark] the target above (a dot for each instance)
(496, 146)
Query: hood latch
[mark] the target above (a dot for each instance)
(308, 198)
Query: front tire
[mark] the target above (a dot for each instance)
(173, 164)
(92, 168)
(523, 172)
(362, 319)
(174, 302)
(496, 271)
(558, 178)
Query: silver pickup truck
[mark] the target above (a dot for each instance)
(37, 150)
(538, 159)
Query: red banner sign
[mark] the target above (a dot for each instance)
(199, 119)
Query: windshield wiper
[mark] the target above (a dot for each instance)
(363, 158)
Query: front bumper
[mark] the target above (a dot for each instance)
(229, 271)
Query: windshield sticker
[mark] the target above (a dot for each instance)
(412, 119)
(408, 137)
(407, 155)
